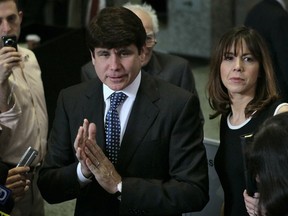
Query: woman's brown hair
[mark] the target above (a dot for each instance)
(266, 91)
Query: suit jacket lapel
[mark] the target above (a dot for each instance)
(94, 109)
(142, 116)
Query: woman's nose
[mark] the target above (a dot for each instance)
(238, 65)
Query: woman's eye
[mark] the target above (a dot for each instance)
(248, 59)
(228, 58)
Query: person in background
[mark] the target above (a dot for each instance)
(242, 90)
(23, 115)
(268, 164)
(155, 163)
(171, 68)
(270, 19)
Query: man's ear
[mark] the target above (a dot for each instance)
(92, 57)
(142, 55)
(20, 13)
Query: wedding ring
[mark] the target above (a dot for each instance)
(97, 165)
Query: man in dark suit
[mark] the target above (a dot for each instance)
(170, 68)
(270, 19)
(161, 167)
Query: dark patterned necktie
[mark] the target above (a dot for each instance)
(112, 126)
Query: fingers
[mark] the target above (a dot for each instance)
(92, 132)
(101, 167)
(79, 138)
(85, 127)
(9, 58)
(18, 182)
(251, 203)
(19, 191)
(82, 134)
(18, 170)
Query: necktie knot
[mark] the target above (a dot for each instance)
(116, 99)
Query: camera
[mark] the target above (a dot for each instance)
(28, 157)
(10, 40)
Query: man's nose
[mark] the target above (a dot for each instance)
(114, 61)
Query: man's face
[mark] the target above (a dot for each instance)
(117, 67)
(10, 19)
(150, 41)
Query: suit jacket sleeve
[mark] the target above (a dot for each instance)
(60, 162)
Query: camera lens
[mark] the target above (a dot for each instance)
(9, 42)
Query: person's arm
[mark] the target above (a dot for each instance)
(9, 58)
(58, 180)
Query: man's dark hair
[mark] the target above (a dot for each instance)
(115, 27)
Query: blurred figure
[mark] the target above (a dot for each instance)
(23, 115)
(270, 19)
(34, 11)
(242, 90)
(268, 164)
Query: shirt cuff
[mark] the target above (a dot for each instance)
(81, 178)
(119, 187)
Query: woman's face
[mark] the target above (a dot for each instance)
(239, 71)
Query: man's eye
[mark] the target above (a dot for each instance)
(11, 19)
(124, 53)
(104, 54)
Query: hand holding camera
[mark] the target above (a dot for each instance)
(9, 58)
(10, 41)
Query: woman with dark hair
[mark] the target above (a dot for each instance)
(242, 90)
(268, 164)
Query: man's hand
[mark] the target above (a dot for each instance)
(18, 182)
(9, 58)
(101, 167)
(83, 134)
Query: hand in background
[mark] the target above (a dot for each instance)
(17, 182)
(251, 203)
(9, 58)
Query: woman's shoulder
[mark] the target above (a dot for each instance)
(282, 107)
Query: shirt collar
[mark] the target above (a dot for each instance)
(130, 90)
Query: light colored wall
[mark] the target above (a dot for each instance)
(194, 26)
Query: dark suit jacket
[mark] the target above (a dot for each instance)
(170, 68)
(270, 19)
(162, 158)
